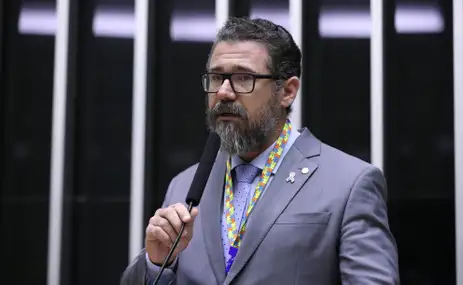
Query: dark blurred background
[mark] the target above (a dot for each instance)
(418, 115)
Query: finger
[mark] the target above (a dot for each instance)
(165, 225)
(154, 233)
(172, 216)
(189, 226)
(182, 212)
(187, 235)
(194, 212)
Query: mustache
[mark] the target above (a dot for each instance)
(228, 108)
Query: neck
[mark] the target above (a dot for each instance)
(275, 134)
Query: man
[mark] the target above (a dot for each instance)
(280, 207)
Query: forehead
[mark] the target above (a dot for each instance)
(239, 56)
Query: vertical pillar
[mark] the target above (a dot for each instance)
(221, 12)
(458, 132)
(138, 128)
(58, 141)
(376, 94)
(295, 18)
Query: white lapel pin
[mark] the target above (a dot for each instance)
(304, 170)
(291, 177)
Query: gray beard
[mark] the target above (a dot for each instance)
(244, 136)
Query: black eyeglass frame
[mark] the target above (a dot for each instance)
(226, 75)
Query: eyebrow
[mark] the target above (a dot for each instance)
(235, 68)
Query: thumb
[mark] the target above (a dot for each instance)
(194, 213)
(189, 226)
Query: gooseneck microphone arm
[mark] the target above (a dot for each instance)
(196, 189)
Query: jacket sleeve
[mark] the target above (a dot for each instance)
(141, 270)
(367, 250)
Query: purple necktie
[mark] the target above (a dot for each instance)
(242, 189)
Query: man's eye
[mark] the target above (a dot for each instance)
(243, 77)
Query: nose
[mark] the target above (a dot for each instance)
(225, 92)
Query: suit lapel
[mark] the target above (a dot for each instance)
(211, 213)
(279, 194)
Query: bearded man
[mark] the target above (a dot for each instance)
(280, 206)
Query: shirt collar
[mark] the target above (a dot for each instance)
(260, 160)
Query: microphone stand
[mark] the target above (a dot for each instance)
(172, 249)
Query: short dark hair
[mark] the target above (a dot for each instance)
(284, 55)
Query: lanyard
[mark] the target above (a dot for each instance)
(234, 236)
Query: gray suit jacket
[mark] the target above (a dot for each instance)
(328, 227)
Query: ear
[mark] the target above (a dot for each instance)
(290, 90)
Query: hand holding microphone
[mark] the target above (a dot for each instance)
(163, 229)
(171, 229)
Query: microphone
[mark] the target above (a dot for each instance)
(197, 187)
(204, 169)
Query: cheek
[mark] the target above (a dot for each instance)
(253, 104)
(246, 103)
(211, 101)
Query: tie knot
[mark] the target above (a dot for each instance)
(246, 173)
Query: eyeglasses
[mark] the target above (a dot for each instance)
(241, 83)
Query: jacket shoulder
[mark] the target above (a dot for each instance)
(345, 167)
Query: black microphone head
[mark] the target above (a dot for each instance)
(204, 169)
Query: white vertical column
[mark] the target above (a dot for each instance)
(458, 131)
(138, 128)
(58, 142)
(295, 18)
(221, 12)
(376, 78)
